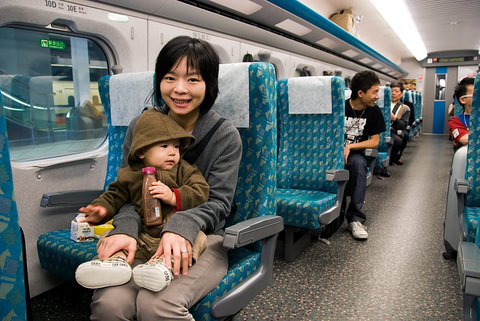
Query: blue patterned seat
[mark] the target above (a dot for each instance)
(468, 258)
(13, 287)
(458, 108)
(249, 269)
(384, 146)
(311, 174)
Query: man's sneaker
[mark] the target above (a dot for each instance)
(358, 230)
(103, 273)
(152, 275)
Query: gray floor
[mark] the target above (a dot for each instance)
(397, 274)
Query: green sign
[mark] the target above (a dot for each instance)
(52, 44)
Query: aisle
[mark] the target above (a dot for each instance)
(397, 274)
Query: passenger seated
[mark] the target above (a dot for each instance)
(400, 119)
(458, 125)
(186, 87)
(158, 143)
(363, 124)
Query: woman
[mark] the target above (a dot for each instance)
(186, 87)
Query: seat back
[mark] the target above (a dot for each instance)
(132, 105)
(13, 292)
(257, 176)
(309, 142)
(458, 109)
(472, 199)
(384, 102)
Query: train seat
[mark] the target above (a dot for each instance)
(14, 295)
(468, 204)
(384, 146)
(252, 231)
(311, 175)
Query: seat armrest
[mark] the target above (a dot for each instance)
(252, 230)
(338, 175)
(461, 186)
(388, 140)
(372, 152)
(69, 198)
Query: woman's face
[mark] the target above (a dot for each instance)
(183, 91)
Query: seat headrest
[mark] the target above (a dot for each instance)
(129, 95)
(310, 95)
(233, 99)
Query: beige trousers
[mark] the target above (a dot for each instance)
(126, 301)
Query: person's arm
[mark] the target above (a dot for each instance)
(458, 131)
(463, 140)
(372, 142)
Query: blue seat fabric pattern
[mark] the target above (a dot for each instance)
(472, 198)
(308, 146)
(12, 275)
(383, 146)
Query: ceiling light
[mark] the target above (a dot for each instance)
(245, 6)
(293, 27)
(366, 60)
(328, 43)
(399, 18)
(117, 17)
(350, 53)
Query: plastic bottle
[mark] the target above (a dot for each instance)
(152, 209)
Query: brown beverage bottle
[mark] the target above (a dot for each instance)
(152, 209)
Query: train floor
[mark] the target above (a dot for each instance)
(397, 274)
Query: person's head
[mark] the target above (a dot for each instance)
(397, 91)
(365, 86)
(161, 155)
(186, 75)
(158, 141)
(463, 92)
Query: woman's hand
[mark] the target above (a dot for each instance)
(180, 248)
(115, 243)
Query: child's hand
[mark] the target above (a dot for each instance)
(93, 214)
(163, 192)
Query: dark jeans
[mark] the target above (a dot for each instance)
(399, 144)
(356, 187)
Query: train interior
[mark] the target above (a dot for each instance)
(420, 261)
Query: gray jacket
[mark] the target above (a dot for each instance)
(219, 164)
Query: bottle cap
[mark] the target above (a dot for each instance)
(148, 170)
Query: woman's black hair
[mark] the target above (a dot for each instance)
(200, 55)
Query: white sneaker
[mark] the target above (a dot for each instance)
(358, 230)
(103, 273)
(152, 275)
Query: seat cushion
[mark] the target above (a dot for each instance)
(301, 208)
(241, 264)
(60, 255)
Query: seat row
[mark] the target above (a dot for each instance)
(291, 173)
(463, 212)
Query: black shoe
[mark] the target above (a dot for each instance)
(385, 172)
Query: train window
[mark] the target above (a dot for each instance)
(50, 93)
(440, 83)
